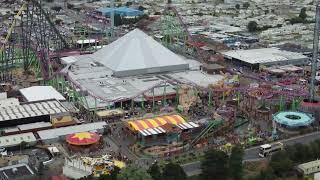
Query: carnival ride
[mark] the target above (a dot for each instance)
(293, 119)
(102, 165)
(35, 35)
(83, 138)
(177, 37)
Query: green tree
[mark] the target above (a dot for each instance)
(133, 173)
(214, 164)
(173, 171)
(246, 5)
(237, 6)
(252, 26)
(280, 163)
(154, 171)
(112, 176)
(303, 13)
(266, 174)
(235, 163)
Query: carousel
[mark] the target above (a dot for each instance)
(83, 141)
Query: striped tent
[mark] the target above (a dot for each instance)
(152, 126)
(155, 122)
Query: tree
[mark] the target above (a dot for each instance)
(133, 173)
(280, 163)
(252, 26)
(237, 6)
(266, 174)
(246, 5)
(214, 164)
(154, 171)
(235, 163)
(112, 176)
(303, 14)
(173, 171)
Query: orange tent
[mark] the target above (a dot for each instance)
(139, 125)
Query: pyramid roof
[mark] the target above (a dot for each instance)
(137, 53)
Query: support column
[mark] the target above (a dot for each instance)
(164, 94)
(153, 100)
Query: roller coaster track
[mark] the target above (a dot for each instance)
(32, 29)
(190, 39)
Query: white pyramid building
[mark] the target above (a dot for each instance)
(137, 53)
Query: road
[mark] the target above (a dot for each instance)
(251, 154)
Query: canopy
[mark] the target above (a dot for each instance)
(139, 125)
(82, 138)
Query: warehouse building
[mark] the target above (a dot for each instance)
(122, 11)
(23, 128)
(309, 167)
(18, 114)
(12, 141)
(255, 58)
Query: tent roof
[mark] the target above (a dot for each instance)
(137, 51)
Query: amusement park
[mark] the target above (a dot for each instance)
(145, 91)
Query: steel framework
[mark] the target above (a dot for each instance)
(176, 35)
(32, 35)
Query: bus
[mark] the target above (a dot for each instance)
(267, 149)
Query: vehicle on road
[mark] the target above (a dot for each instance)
(267, 149)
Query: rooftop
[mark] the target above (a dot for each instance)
(41, 93)
(15, 172)
(264, 55)
(31, 110)
(57, 132)
(137, 53)
(308, 165)
(123, 11)
(14, 140)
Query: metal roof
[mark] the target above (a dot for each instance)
(57, 132)
(14, 140)
(40, 93)
(137, 53)
(123, 11)
(264, 55)
(31, 110)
